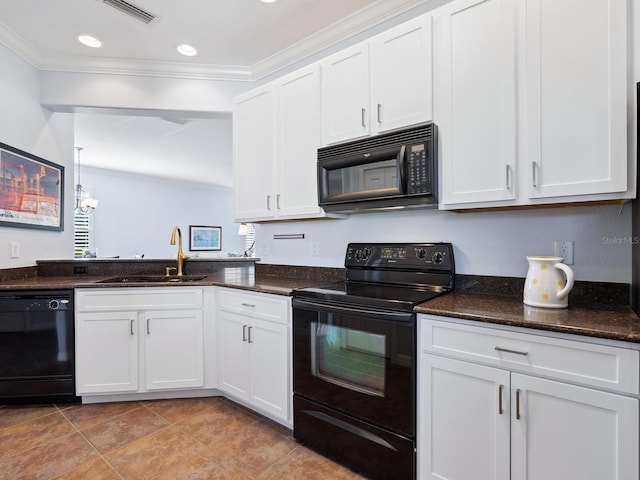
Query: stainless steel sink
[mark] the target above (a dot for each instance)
(153, 279)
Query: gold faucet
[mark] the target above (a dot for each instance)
(181, 256)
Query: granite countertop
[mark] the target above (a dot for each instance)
(612, 322)
(236, 278)
(474, 297)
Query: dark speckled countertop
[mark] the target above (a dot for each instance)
(595, 309)
(601, 321)
(275, 279)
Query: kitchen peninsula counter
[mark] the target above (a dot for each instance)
(241, 273)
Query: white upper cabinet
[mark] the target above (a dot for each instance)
(575, 92)
(378, 85)
(254, 155)
(345, 94)
(298, 107)
(401, 76)
(276, 139)
(475, 100)
(531, 102)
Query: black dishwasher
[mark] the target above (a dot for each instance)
(37, 361)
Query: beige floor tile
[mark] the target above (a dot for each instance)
(12, 415)
(254, 448)
(49, 459)
(217, 423)
(151, 455)
(123, 429)
(213, 439)
(83, 416)
(305, 464)
(23, 436)
(176, 410)
(97, 469)
(205, 466)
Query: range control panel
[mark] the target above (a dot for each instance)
(400, 255)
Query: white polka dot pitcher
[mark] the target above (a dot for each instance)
(548, 282)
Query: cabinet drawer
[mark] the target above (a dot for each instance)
(267, 307)
(101, 300)
(589, 364)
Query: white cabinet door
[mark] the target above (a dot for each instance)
(173, 349)
(575, 96)
(254, 155)
(464, 417)
(106, 352)
(233, 355)
(270, 367)
(401, 75)
(561, 431)
(475, 100)
(299, 124)
(345, 94)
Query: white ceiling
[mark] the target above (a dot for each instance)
(237, 40)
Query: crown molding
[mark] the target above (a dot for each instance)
(336, 33)
(348, 27)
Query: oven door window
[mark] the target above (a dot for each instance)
(350, 358)
(360, 363)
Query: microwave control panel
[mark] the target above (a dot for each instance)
(418, 171)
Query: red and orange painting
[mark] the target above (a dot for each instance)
(31, 191)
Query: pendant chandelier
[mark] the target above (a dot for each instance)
(84, 202)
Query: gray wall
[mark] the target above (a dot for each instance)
(136, 214)
(489, 243)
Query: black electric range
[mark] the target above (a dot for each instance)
(395, 276)
(354, 356)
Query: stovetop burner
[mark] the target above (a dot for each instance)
(391, 276)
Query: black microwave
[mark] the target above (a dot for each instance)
(386, 171)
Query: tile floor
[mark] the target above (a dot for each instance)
(204, 438)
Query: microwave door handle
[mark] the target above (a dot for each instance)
(402, 169)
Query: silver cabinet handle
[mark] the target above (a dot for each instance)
(250, 305)
(500, 409)
(131, 327)
(249, 336)
(508, 350)
(534, 167)
(268, 202)
(379, 113)
(518, 404)
(363, 112)
(148, 330)
(244, 333)
(508, 177)
(278, 201)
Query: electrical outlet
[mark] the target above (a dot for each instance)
(564, 249)
(263, 248)
(15, 250)
(315, 248)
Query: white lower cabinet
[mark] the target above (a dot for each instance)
(139, 340)
(254, 351)
(486, 412)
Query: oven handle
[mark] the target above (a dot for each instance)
(350, 310)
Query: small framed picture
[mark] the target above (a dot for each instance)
(202, 238)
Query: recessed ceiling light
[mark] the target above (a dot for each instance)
(267, 1)
(89, 41)
(187, 50)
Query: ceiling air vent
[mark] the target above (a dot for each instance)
(131, 10)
